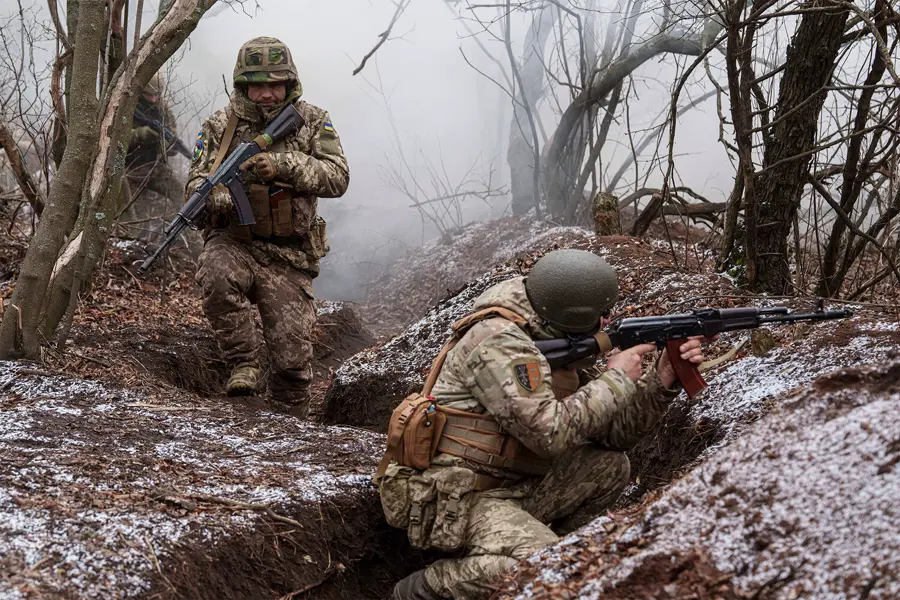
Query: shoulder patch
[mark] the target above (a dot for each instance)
(528, 375)
(199, 147)
(327, 126)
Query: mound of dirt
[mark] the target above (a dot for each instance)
(802, 505)
(742, 390)
(367, 387)
(440, 269)
(111, 493)
(339, 335)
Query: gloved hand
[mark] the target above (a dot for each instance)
(219, 200)
(144, 135)
(263, 166)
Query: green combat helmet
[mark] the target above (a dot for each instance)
(572, 289)
(265, 60)
(156, 86)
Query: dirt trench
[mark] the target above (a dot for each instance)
(345, 551)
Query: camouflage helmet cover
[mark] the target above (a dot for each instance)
(265, 60)
(572, 289)
(156, 86)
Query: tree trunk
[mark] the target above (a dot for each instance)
(60, 212)
(777, 190)
(30, 189)
(520, 154)
(605, 211)
(101, 193)
(832, 277)
(557, 182)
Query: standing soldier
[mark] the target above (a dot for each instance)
(523, 451)
(147, 166)
(273, 262)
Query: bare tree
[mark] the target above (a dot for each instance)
(84, 193)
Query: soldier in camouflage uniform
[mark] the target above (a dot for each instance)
(148, 169)
(577, 423)
(272, 263)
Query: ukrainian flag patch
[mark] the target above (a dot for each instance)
(327, 126)
(198, 147)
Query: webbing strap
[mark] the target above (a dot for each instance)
(490, 442)
(460, 328)
(226, 141)
(437, 365)
(475, 421)
(450, 446)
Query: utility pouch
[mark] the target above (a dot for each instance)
(282, 212)
(394, 491)
(422, 507)
(259, 204)
(316, 243)
(455, 487)
(413, 433)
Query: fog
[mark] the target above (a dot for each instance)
(445, 114)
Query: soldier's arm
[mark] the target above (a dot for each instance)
(206, 146)
(654, 399)
(511, 379)
(324, 172)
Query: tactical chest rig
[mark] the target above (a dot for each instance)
(420, 427)
(271, 205)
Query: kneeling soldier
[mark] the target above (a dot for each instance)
(499, 450)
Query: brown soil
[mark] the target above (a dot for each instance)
(129, 333)
(87, 456)
(757, 519)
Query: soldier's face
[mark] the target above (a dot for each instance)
(151, 98)
(266, 94)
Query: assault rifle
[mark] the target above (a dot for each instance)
(193, 213)
(670, 332)
(172, 140)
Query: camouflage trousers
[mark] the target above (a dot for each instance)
(232, 281)
(502, 531)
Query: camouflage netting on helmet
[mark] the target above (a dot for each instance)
(156, 86)
(265, 60)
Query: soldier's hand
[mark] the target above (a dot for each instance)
(219, 200)
(262, 166)
(630, 360)
(144, 135)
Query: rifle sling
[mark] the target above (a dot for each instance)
(227, 137)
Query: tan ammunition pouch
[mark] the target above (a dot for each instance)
(273, 209)
(419, 427)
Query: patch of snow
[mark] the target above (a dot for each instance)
(82, 507)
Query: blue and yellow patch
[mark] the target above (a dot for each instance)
(327, 126)
(199, 146)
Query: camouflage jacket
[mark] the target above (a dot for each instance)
(496, 368)
(313, 159)
(142, 154)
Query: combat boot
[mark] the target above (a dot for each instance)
(244, 379)
(414, 587)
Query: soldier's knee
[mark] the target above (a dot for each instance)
(469, 578)
(619, 468)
